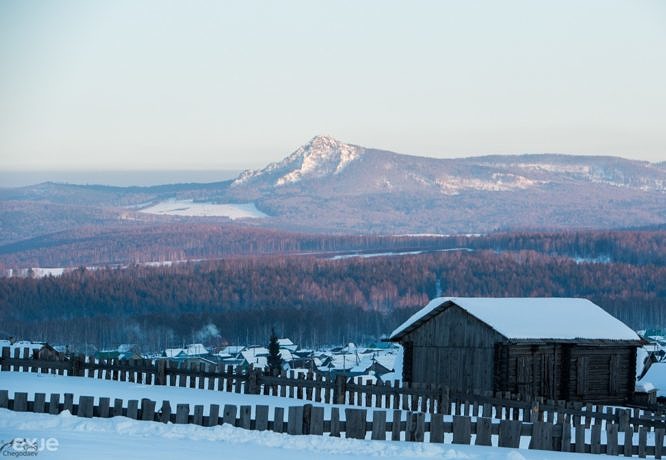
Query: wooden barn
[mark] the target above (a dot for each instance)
(558, 348)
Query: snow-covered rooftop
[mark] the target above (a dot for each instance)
(532, 318)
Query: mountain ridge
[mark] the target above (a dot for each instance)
(327, 185)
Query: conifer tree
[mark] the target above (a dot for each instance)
(274, 355)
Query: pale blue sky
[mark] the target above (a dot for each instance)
(211, 84)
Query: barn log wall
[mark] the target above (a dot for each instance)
(453, 349)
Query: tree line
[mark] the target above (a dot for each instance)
(313, 300)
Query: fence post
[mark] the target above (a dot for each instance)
(278, 420)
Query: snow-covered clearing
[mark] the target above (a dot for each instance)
(204, 209)
(121, 437)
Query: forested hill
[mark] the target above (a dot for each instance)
(318, 300)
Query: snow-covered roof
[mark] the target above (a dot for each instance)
(531, 318)
(195, 349)
(173, 352)
(255, 356)
(232, 350)
(286, 355)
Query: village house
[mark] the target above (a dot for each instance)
(558, 348)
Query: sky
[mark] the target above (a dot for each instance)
(205, 85)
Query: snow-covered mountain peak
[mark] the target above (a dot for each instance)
(322, 156)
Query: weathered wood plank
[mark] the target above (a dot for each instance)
(379, 425)
(462, 429)
(437, 428)
(483, 432)
(182, 413)
(261, 417)
(229, 414)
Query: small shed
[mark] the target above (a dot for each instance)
(557, 348)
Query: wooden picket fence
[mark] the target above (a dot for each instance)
(402, 426)
(338, 390)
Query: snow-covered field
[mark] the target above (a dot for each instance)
(121, 437)
(204, 209)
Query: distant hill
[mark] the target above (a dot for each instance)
(333, 187)
(327, 184)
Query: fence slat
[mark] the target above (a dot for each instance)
(611, 439)
(133, 409)
(197, 418)
(379, 425)
(147, 409)
(85, 406)
(39, 405)
(214, 415)
(483, 432)
(356, 419)
(54, 403)
(462, 429)
(245, 417)
(165, 412)
(182, 413)
(317, 421)
(658, 442)
(395, 427)
(4, 397)
(229, 414)
(509, 433)
(103, 407)
(642, 441)
(278, 420)
(628, 441)
(437, 428)
(595, 439)
(295, 420)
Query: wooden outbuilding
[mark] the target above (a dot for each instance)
(557, 348)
